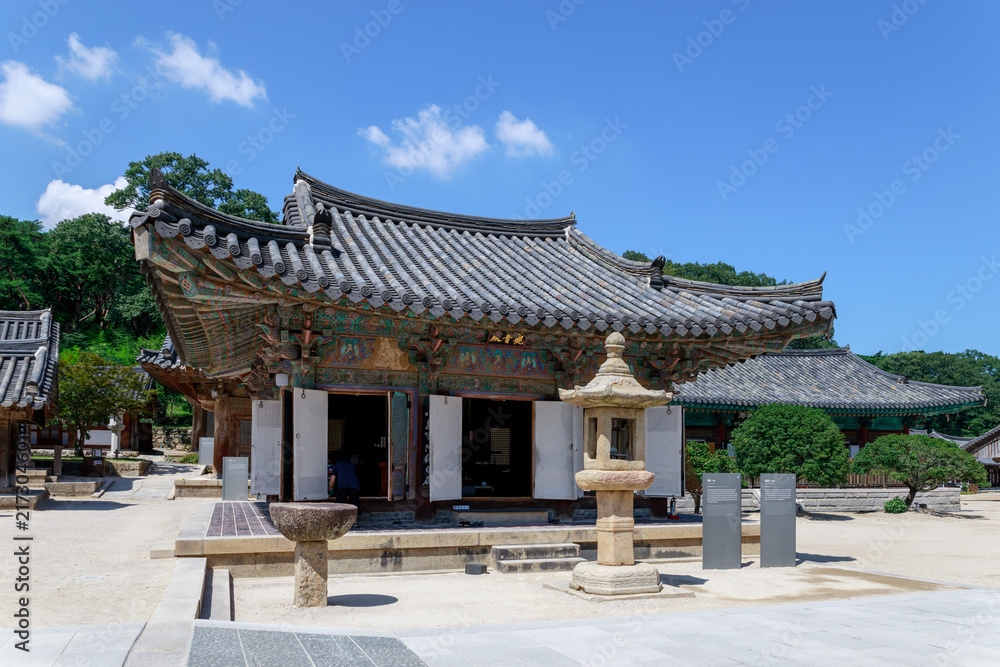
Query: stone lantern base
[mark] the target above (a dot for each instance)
(598, 579)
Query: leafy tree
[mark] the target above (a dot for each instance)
(969, 368)
(920, 462)
(792, 439)
(719, 273)
(192, 176)
(94, 262)
(22, 256)
(817, 342)
(699, 459)
(91, 391)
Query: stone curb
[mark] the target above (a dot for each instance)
(166, 639)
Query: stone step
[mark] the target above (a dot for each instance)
(36, 477)
(501, 552)
(537, 565)
(217, 604)
(56, 489)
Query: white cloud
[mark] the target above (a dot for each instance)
(188, 67)
(29, 101)
(92, 64)
(62, 201)
(522, 137)
(428, 142)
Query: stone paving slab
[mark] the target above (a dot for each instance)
(97, 645)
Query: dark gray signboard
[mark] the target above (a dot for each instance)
(777, 520)
(235, 477)
(721, 536)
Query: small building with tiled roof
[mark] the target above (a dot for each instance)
(29, 363)
(986, 448)
(864, 401)
(426, 346)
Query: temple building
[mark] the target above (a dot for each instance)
(863, 400)
(29, 362)
(427, 347)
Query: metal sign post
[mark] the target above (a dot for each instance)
(722, 547)
(777, 520)
(235, 477)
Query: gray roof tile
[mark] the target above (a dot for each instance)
(29, 358)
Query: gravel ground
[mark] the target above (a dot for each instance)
(838, 552)
(90, 560)
(90, 564)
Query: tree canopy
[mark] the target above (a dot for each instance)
(793, 439)
(91, 391)
(192, 176)
(920, 462)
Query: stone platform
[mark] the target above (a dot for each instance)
(240, 536)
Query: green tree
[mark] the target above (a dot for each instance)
(22, 258)
(792, 439)
(192, 176)
(699, 459)
(93, 262)
(920, 462)
(91, 391)
(969, 368)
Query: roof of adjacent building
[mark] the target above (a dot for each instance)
(29, 358)
(165, 356)
(983, 441)
(366, 251)
(835, 380)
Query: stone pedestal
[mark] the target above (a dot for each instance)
(57, 461)
(310, 573)
(598, 579)
(310, 525)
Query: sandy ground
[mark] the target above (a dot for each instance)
(90, 558)
(838, 552)
(90, 564)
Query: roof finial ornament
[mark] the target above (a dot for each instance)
(157, 181)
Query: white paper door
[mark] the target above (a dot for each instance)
(665, 450)
(446, 447)
(309, 446)
(265, 447)
(558, 454)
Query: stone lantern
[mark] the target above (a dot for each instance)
(614, 466)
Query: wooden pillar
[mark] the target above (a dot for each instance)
(863, 434)
(720, 433)
(227, 432)
(424, 510)
(198, 424)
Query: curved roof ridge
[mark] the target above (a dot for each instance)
(394, 211)
(902, 379)
(818, 352)
(983, 439)
(809, 288)
(161, 190)
(609, 257)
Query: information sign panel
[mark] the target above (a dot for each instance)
(721, 536)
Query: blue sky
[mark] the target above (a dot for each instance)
(856, 138)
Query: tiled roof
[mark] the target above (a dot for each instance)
(984, 440)
(29, 358)
(954, 439)
(543, 272)
(165, 357)
(835, 379)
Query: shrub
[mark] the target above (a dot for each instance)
(895, 506)
(792, 439)
(190, 458)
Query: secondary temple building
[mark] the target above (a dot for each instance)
(427, 347)
(29, 361)
(863, 400)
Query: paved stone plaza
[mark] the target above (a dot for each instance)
(945, 628)
(830, 609)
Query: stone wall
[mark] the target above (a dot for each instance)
(942, 499)
(172, 437)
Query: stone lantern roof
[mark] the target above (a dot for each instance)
(614, 385)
